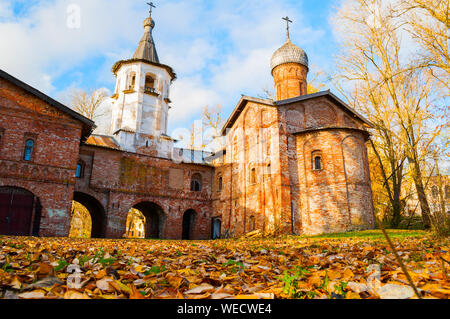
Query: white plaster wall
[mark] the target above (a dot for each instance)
(140, 112)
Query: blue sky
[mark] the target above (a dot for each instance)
(219, 49)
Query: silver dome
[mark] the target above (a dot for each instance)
(288, 53)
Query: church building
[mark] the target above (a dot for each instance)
(295, 164)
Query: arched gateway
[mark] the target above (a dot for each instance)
(154, 219)
(96, 211)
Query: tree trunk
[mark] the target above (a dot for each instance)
(425, 208)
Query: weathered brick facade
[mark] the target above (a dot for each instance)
(50, 173)
(294, 165)
(119, 181)
(276, 143)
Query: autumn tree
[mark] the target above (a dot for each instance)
(206, 133)
(395, 97)
(88, 103)
(428, 21)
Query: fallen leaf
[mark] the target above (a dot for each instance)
(73, 294)
(200, 289)
(15, 283)
(46, 282)
(37, 294)
(393, 291)
(104, 285)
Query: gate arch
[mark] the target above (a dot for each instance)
(97, 212)
(155, 219)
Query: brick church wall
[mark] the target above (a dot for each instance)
(50, 175)
(120, 180)
(337, 197)
(249, 202)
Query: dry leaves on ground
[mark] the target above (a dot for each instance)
(288, 267)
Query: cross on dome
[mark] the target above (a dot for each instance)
(287, 25)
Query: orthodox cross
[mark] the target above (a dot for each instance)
(151, 6)
(287, 25)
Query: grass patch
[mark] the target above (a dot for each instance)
(374, 234)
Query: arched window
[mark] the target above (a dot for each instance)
(29, 148)
(251, 223)
(80, 170)
(253, 176)
(149, 84)
(131, 81)
(317, 164)
(434, 191)
(220, 183)
(196, 182)
(269, 170)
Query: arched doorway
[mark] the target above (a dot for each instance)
(80, 221)
(135, 227)
(154, 219)
(96, 212)
(20, 212)
(188, 224)
(215, 228)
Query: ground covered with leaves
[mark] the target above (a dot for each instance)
(353, 265)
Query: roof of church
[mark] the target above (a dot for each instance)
(329, 95)
(288, 53)
(244, 99)
(240, 107)
(88, 126)
(146, 49)
(103, 141)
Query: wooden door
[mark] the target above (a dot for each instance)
(16, 211)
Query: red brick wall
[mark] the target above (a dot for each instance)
(50, 175)
(338, 197)
(252, 143)
(293, 198)
(120, 180)
(287, 196)
(290, 80)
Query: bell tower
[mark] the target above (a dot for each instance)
(289, 65)
(140, 110)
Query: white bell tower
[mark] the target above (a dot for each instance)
(140, 109)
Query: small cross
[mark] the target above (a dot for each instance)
(287, 25)
(151, 6)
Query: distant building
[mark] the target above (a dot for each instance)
(433, 196)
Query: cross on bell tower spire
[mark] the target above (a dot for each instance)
(151, 5)
(287, 26)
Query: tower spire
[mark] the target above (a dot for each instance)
(147, 49)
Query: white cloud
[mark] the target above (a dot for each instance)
(189, 97)
(5, 9)
(218, 49)
(42, 43)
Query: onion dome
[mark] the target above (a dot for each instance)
(288, 53)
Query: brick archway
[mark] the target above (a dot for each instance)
(97, 212)
(155, 219)
(20, 212)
